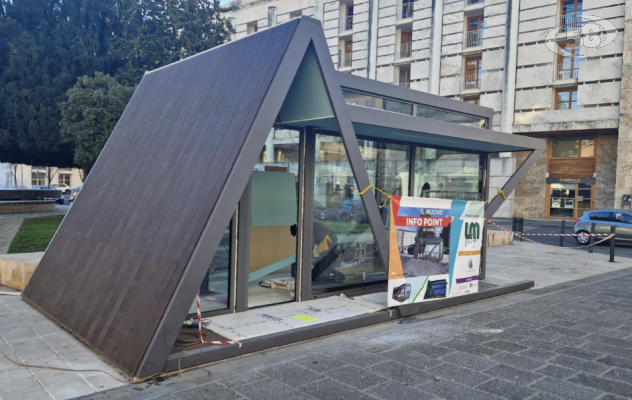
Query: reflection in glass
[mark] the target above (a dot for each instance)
(584, 194)
(588, 147)
(366, 100)
(562, 200)
(273, 215)
(388, 166)
(447, 174)
(565, 147)
(344, 251)
(214, 290)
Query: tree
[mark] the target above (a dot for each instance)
(44, 46)
(154, 33)
(90, 114)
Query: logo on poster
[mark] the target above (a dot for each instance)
(470, 264)
(472, 233)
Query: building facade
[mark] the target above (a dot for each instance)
(28, 176)
(548, 68)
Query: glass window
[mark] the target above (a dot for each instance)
(214, 290)
(566, 99)
(398, 107)
(65, 179)
(438, 115)
(447, 174)
(570, 146)
(273, 218)
(565, 147)
(388, 166)
(588, 147)
(562, 200)
(344, 251)
(38, 179)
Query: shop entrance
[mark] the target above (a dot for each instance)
(568, 200)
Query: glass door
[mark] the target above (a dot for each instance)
(274, 200)
(585, 199)
(562, 200)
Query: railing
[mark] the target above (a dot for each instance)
(404, 50)
(405, 84)
(475, 38)
(565, 71)
(472, 2)
(405, 10)
(346, 23)
(344, 60)
(472, 82)
(570, 22)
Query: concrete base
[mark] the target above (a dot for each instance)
(16, 269)
(499, 239)
(26, 206)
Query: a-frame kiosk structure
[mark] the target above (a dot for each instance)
(125, 265)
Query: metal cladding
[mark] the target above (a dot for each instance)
(124, 267)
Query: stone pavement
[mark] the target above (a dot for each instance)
(29, 337)
(545, 265)
(8, 228)
(570, 341)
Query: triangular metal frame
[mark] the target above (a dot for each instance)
(307, 31)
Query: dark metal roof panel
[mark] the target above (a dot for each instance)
(114, 263)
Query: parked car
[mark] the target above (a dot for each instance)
(604, 219)
(73, 194)
(322, 213)
(65, 189)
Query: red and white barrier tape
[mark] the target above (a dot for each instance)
(199, 313)
(607, 236)
(567, 234)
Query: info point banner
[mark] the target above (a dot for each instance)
(435, 248)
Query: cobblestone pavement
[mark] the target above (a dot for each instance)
(8, 229)
(555, 226)
(570, 341)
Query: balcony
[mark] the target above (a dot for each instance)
(346, 25)
(474, 41)
(345, 60)
(404, 51)
(570, 26)
(405, 11)
(566, 74)
(471, 85)
(405, 84)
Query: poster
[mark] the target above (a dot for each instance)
(435, 248)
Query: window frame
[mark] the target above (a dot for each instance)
(580, 140)
(570, 90)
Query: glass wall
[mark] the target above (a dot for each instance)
(273, 217)
(344, 251)
(388, 166)
(214, 291)
(367, 100)
(447, 174)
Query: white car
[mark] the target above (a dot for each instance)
(65, 189)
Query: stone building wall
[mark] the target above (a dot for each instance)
(606, 169)
(530, 195)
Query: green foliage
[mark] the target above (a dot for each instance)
(45, 45)
(90, 114)
(35, 234)
(157, 33)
